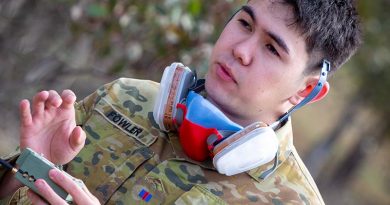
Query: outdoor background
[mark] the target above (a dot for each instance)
(60, 44)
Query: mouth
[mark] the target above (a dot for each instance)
(225, 73)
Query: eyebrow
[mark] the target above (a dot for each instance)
(247, 9)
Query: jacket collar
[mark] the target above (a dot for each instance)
(285, 137)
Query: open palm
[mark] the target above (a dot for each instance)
(50, 127)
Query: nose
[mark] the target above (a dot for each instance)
(244, 51)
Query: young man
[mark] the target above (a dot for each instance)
(266, 60)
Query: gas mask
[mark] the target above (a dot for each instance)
(205, 131)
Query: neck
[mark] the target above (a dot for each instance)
(245, 120)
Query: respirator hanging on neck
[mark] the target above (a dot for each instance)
(204, 131)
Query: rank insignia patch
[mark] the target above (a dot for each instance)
(145, 195)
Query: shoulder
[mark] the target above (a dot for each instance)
(131, 86)
(295, 176)
(130, 93)
(127, 104)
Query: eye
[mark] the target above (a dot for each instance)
(272, 49)
(245, 24)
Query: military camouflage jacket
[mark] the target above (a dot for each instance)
(127, 160)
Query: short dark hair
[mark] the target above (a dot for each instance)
(331, 28)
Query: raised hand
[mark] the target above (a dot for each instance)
(50, 127)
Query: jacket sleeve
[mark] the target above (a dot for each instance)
(11, 158)
(19, 197)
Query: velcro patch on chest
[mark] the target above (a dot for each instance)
(124, 123)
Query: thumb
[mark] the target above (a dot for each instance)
(77, 139)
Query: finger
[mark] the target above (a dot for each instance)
(77, 139)
(25, 113)
(68, 98)
(91, 196)
(47, 192)
(54, 99)
(35, 199)
(39, 103)
(78, 194)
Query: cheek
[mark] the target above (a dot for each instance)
(249, 90)
(261, 87)
(257, 81)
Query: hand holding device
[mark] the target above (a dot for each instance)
(81, 194)
(48, 127)
(52, 184)
(32, 166)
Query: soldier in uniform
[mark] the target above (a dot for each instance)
(266, 60)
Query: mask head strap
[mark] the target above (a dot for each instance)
(323, 76)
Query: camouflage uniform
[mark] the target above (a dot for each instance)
(127, 160)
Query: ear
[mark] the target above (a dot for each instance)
(306, 91)
(323, 92)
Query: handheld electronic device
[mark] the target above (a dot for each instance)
(32, 166)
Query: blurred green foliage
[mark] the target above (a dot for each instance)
(149, 35)
(371, 65)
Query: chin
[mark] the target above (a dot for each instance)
(217, 95)
(213, 91)
(210, 89)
